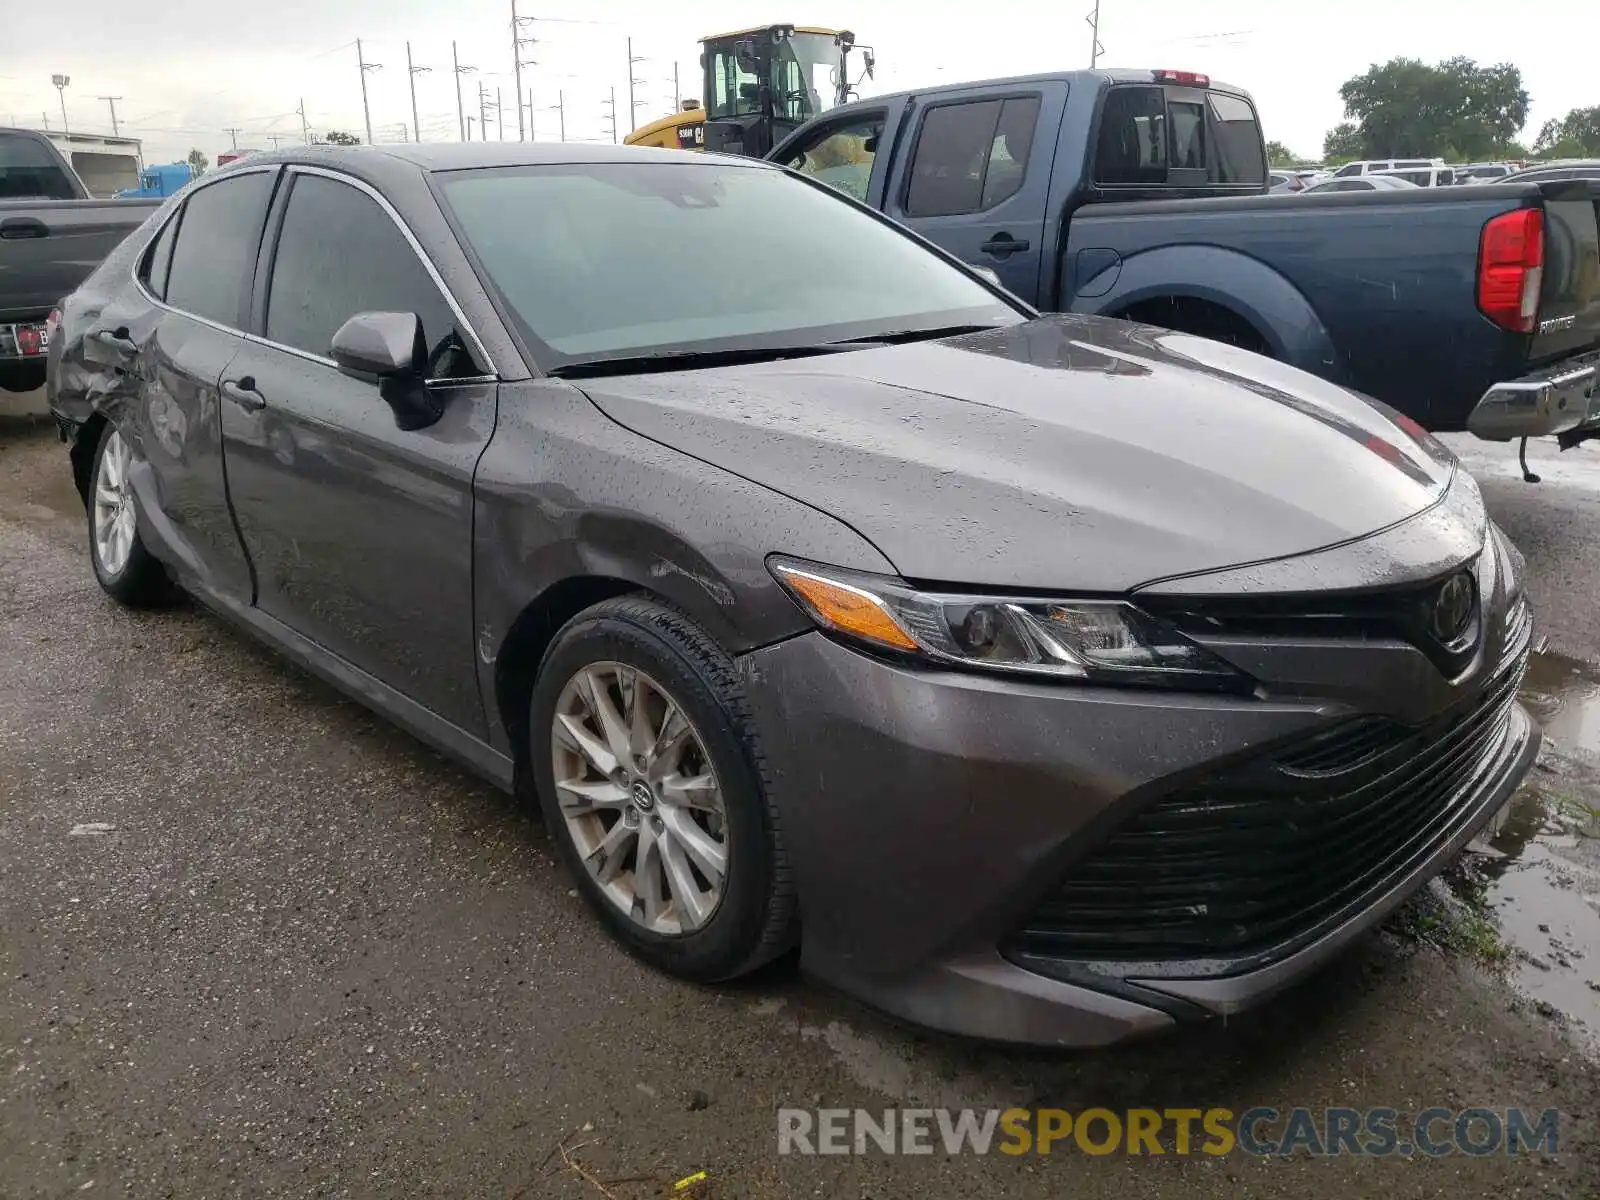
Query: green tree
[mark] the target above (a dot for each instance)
(1342, 143)
(336, 137)
(1279, 155)
(198, 162)
(1408, 108)
(1576, 135)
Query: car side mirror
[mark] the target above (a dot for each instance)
(389, 346)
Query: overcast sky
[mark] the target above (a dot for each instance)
(186, 70)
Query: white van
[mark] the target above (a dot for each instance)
(1423, 176)
(1372, 166)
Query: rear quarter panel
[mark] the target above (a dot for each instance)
(1391, 278)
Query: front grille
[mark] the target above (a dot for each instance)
(1249, 860)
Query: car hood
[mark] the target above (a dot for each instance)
(1066, 452)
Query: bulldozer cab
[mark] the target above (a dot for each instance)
(762, 84)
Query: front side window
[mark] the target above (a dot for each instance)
(339, 253)
(842, 157)
(214, 257)
(611, 260)
(970, 156)
(1348, 170)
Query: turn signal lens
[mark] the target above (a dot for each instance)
(846, 609)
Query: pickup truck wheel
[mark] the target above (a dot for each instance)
(650, 775)
(128, 572)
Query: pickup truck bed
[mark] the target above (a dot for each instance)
(1143, 195)
(48, 245)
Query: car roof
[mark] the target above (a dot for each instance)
(467, 156)
(1119, 75)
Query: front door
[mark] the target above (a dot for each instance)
(977, 179)
(360, 533)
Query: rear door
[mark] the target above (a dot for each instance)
(974, 177)
(360, 533)
(170, 335)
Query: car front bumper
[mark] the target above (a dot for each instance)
(927, 813)
(1561, 399)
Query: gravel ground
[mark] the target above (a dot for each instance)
(310, 958)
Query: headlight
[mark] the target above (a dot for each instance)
(1108, 641)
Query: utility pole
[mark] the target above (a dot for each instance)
(305, 125)
(365, 67)
(561, 107)
(677, 96)
(234, 135)
(1095, 48)
(275, 139)
(632, 103)
(116, 131)
(61, 82)
(483, 112)
(500, 113)
(461, 113)
(612, 105)
(468, 127)
(412, 72)
(516, 67)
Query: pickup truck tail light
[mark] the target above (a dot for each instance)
(1511, 269)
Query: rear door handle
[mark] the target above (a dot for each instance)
(243, 393)
(1002, 244)
(117, 339)
(23, 227)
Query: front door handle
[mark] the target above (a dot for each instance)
(1003, 244)
(23, 227)
(243, 393)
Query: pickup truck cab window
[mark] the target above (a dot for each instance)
(28, 171)
(215, 253)
(970, 156)
(338, 253)
(1236, 146)
(1132, 147)
(841, 156)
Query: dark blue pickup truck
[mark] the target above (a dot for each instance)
(1143, 194)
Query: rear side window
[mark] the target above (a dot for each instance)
(1133, 137)
(158, 260)
(29, 171)
(339, 253)
(971, 156)
(215, 253)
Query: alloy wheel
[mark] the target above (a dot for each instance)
(640, 797)
(114, 521)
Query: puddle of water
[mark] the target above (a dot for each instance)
(1542, 888)
(1564, 694)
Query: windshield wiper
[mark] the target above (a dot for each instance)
(918, 335)
(688, 360)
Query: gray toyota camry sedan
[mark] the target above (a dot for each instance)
(1044, 679)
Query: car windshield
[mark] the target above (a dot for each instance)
(619, 259)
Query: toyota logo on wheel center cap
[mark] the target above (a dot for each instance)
(643, 798)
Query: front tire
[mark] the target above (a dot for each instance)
(128, 572)
(649, 771)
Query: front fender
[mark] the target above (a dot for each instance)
(564, 492)
(1245, 286)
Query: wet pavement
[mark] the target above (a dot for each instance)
(256, 942)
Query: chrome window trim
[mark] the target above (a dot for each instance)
(138, 261)
(416, 247)
(492, 376)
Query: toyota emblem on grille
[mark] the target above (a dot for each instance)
(1453, 608)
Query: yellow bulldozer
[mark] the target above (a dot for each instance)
(758, 86)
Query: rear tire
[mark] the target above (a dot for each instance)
(128, 572)
(687, 791)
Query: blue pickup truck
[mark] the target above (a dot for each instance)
(1143, 195)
